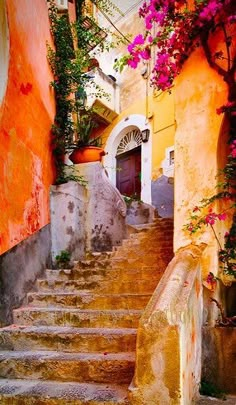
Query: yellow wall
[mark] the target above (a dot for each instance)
(133, 90)
(162, 124)
(162, 106)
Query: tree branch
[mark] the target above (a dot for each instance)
(204, 41)
(226, 321)
(227, 45)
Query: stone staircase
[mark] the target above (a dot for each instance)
(74, 341)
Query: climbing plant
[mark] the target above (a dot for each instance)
(70, 60)
(173, 30)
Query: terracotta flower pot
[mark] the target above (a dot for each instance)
(87, 154)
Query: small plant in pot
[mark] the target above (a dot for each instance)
(86, 147)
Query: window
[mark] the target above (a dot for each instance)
(172, 157)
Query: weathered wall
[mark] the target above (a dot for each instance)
(106, 209)
(219, 353)
(198, 92)
(26, 115)
(132, 85)
(19, 269)
(90, 218)
(139, 213)
(163, 196)
(68, 217)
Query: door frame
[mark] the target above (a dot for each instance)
(126, 154)
(134, 121)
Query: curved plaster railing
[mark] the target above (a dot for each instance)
(119, 200)
(168, 355)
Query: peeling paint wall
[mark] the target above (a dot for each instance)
(19, 269)
(68, 216)
(219, 353)
(90, 218)
(26, 114)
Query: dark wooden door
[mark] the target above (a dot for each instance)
(129, 172)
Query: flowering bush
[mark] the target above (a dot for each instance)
(173, 30)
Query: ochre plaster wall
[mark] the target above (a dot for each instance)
(161, 121)
(162, 108)
(199, 91)
(138, 97)
(26, 115)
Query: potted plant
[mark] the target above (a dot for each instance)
(86, 147)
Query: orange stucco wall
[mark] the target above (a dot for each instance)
(26, 115)
(198, 93)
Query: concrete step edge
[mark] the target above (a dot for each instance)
(68, 330)
(69, 391)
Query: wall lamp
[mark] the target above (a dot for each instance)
(145, 135)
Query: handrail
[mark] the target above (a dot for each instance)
(168, 356)
(119, 200)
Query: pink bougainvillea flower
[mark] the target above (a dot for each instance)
(145, 54)
(133, 63)
(220, 110)
(222, 217)
(233, 153)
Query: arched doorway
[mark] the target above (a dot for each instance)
(124, 146)
(128, 164)
(4, 49)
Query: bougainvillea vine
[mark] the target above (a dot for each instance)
(173, 29)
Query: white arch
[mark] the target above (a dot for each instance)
(4, 49)
(133, 121)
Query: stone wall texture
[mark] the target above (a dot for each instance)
(87, 218)
(19, 269)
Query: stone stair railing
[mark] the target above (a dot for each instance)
(87, 218)
(168, 351)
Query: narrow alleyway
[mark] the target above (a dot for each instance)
(74, 341)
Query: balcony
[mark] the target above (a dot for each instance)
(107, 109)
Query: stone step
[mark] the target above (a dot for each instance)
(98, 255)
(92, 263)
(89, 301)
(204, 400)
(33, 392)
(157, 225)
(77, 318)
(157, 249)
(67, 339)
(116, 273)
(76, 367)
(135, 242)
(115, 287)
(151, 257)
(158, 260)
